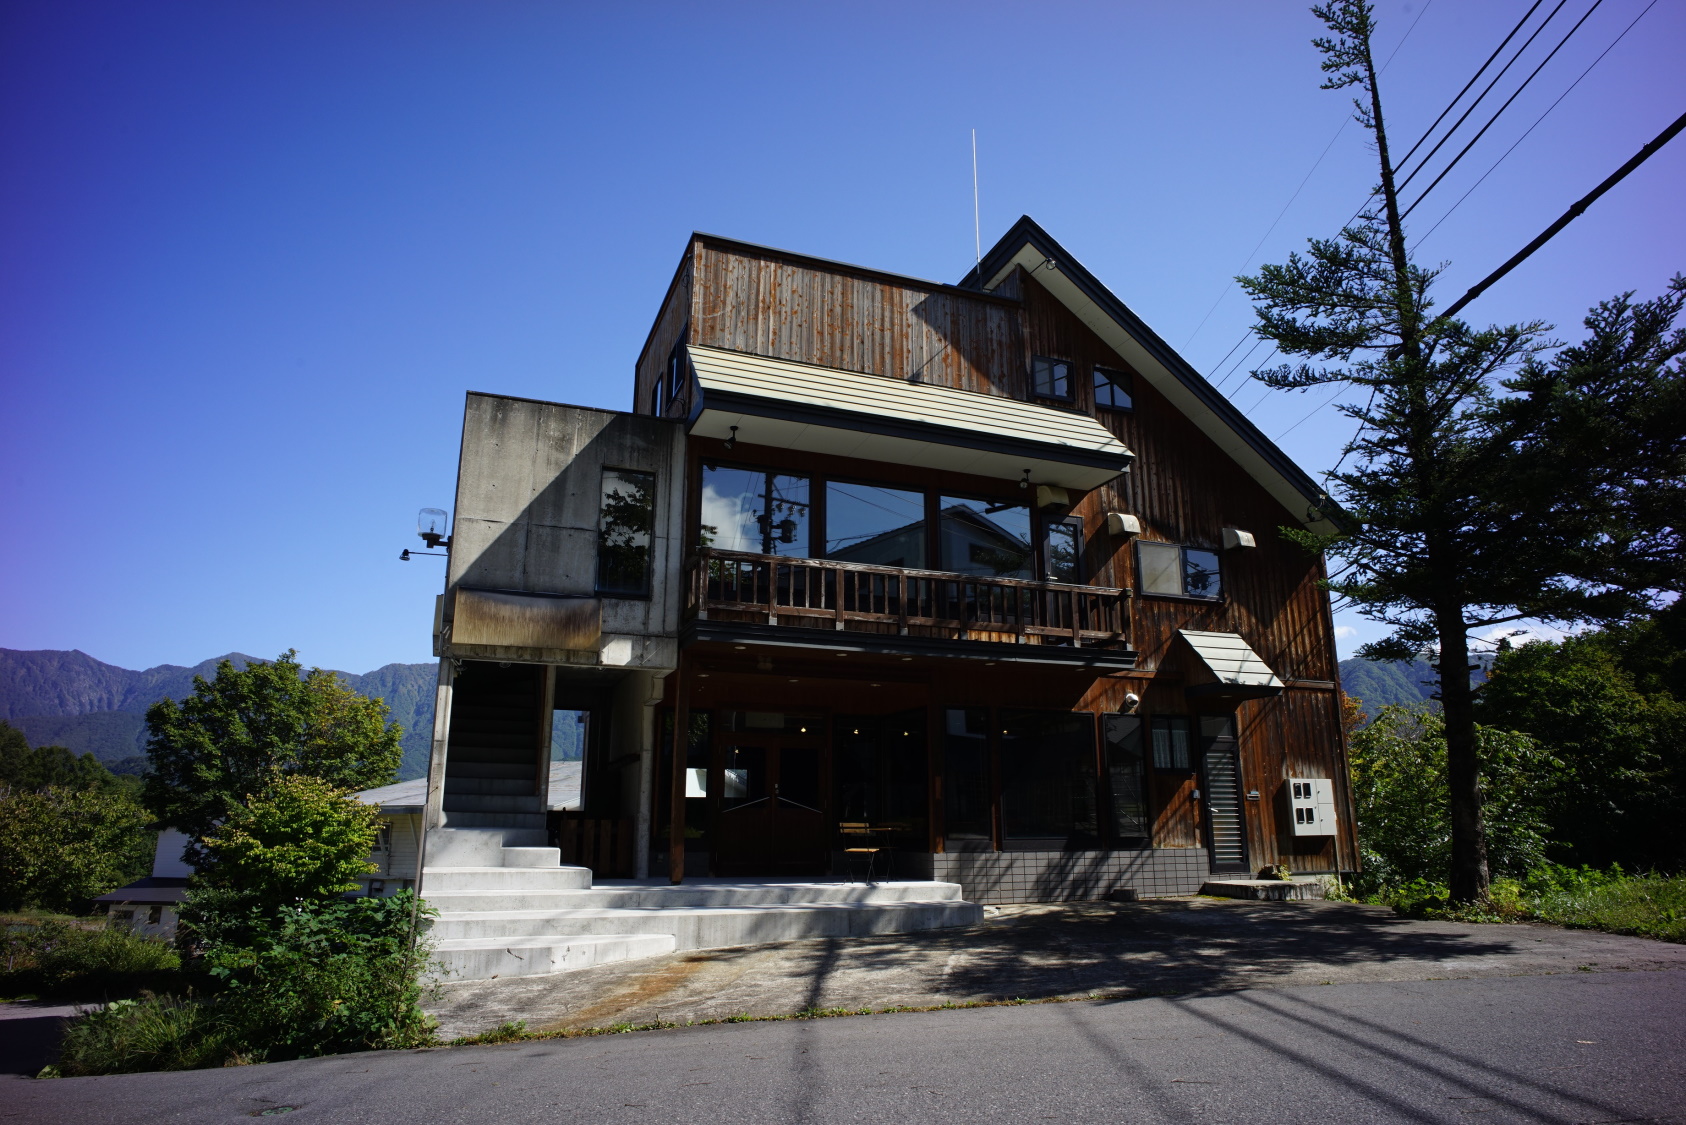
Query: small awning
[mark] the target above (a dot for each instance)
(1227, 668)
(790, 405)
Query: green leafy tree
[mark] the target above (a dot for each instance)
(22, 767)
(1399, 790)
(301, 838)
(1621, 794)
(60, 847)
(215, 750)
(1457, 513)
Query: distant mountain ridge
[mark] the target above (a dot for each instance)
(71, 699)
(1382, 683)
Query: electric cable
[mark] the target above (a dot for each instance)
(1532, 127)
(1446, 170)
(1489, 89)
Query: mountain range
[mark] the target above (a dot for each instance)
(70, 699)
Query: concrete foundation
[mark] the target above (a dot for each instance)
(1006, 877)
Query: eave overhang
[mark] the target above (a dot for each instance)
(791, 405)
(1029, 246)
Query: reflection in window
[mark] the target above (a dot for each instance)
(1123, 734)
(984, 538)
(1050, 378)
(1171, 743)
(623, 533)
(865, 523)
(1200, 573)
(1065, 551)
(754, 511)
(1112, 389)
(1048, 776)
(1165, 568)
(966, 796)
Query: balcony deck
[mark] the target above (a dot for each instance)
(922, 606)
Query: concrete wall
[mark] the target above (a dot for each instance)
(526, 521)
(1000, 877)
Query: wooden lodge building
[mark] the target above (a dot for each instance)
(977, 583)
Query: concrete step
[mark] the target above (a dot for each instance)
(506, 880)
(466, 893)
(1268, 890)
(518, 770)
(494, 803)
(455, 818)
(489, 787)
(484, 958)
(709, 927)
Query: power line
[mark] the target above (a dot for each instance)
(1406, 159)
(1446, 170)
(1489, 89)
(1534, 126)
(1339, 387)
(1570, 215)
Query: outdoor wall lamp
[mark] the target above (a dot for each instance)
(431, 524)
(733, 440)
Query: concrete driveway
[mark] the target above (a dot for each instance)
(1155, 948)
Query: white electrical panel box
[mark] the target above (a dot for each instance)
(1311, 806)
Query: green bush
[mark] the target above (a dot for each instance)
(1646, 905)
(149, 1033)
(71, 961)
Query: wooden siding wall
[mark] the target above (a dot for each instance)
(1182, 487)
(670, 322)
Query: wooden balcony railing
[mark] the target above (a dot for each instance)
(821, 593)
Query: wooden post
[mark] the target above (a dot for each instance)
(681, 745)
(838, 593)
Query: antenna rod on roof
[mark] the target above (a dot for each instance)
(977, 234)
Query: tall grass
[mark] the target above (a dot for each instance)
(149, 1033)
(1610, 900)
(65, 959)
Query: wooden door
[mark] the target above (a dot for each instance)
(772, 811)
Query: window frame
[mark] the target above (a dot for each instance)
(1047, 549)
(1151, 750)
(1182, 572)
(1070, 390)
(1116, 377)
(938, 495)
(816, 501)
(598, 587)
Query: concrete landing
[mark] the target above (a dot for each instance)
(1265, 890)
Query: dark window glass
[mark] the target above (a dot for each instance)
(1048, 776)
(1165, 568)
(878, 773)
(656, 399)
(1050, 378)
(984, 538)
(754, 511)
(1123, 734)
(1171, 743)
(966, 787)
(1200, 573)
(1112, 389)
(1065, 551)
(678, 364)
(866, 523)
(623, 531)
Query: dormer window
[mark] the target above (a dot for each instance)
(1050, 378)
(1112, 389)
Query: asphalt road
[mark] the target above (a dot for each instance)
(1569, 1047)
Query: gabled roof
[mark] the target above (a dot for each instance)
(1028, 245)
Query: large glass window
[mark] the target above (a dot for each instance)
(1189, 572)
(1048, 776)
(625, 518)
(1123, 734)
(1065, 550)
(878, 774)
(984, 538)
(966, 784)
(754, 511)
(867, 523)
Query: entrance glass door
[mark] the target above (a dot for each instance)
(772, 808)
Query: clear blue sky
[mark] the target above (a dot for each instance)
(252, 254)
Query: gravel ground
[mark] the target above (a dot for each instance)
(1160, 947)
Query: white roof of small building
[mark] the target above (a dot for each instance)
(1231, 659)
(410, 796)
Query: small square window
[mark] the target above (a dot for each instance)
(1171, 739)
(1050, 378)
(1187, 572)
(1112, 389)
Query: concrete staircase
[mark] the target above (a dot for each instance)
(514, 911)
